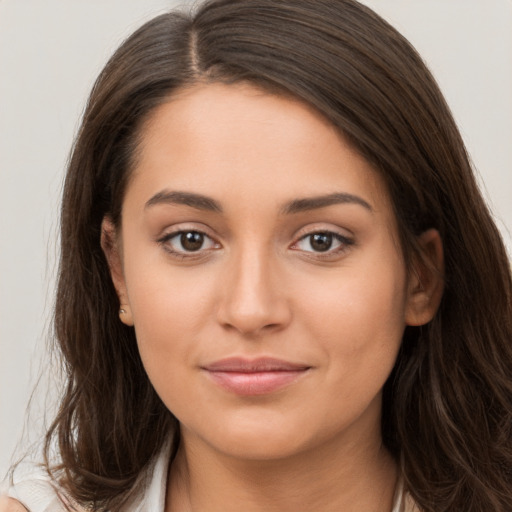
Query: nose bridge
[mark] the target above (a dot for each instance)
(253, 297)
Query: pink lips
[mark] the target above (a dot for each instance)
(254, 377)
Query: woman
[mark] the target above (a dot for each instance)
(280, 288)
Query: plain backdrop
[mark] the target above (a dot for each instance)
(50, 54)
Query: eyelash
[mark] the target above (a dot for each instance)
(166, 239)
(344, 244)
(344, 241)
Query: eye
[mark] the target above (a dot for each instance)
(323, 242)
(183, 242)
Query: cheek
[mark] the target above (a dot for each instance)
(357, 318)
(170, 310)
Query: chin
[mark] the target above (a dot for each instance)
(263, 439)
(262, 447)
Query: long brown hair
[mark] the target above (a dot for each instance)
(447, 411)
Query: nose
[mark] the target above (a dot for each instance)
(254, 295)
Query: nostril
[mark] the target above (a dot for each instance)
(252, 298)
(253, 321)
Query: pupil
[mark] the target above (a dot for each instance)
(321, 242)
(192, 240)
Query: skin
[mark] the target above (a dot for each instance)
(258, 286)
(11, 505)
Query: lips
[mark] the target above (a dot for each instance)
(252, 377)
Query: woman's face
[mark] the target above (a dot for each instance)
(260, 265)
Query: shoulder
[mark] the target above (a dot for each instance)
(11, 505)
(30, 488)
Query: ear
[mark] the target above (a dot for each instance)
(426, 280)
(111, 248)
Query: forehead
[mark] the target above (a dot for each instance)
(247, 145)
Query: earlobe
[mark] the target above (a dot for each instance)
(125, 315)
(110, 246)
(426, 281)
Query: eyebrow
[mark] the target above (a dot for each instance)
(197, 201)
(201, 202)
(316, 202)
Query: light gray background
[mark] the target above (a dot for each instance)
(50, 53)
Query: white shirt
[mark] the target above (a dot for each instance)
(33, 488)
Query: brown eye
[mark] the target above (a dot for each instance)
(321, 242)
(187, 242)
(192, 240)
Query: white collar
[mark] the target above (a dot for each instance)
(153, 497)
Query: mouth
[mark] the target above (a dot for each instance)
(252, 377)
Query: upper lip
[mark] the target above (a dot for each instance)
(261, 364)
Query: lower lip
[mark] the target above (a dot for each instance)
(255, 383)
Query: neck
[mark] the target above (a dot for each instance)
(336, 476)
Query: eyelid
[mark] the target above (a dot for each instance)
(323, 228)
(346, 241)
(176, 230)
(182, 227)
